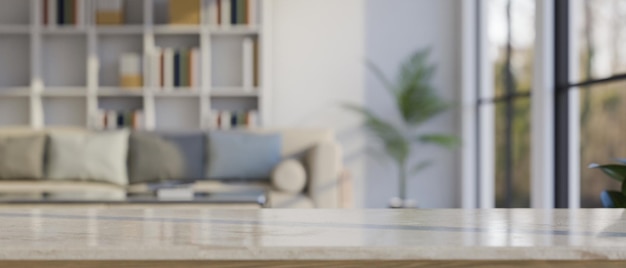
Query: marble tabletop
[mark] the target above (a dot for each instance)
(66, 233)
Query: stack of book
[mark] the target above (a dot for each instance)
(110, 119)
(225, 120)
(232, 12)
(109, 12)
(130, 71)
(184, 12)
(170, 68)
(63, 12)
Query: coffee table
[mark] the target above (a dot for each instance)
(193, 237)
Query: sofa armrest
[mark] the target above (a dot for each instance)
(324, 167)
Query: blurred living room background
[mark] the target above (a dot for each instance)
(311, 103)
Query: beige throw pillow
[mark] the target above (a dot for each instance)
(90, 156)
(21, 157)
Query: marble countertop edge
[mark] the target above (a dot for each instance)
(322, 253)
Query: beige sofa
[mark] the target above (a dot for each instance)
(315, 149)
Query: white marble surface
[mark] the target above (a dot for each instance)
(50, 233)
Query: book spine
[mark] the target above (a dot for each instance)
(219, 11)
(233, 12)
(197, 67)
(256, 79)
(155, 68)
(138, 120)
(111, 120)
(45, 12)
(212, 12)
(80, 12)
(248, 63)
(68, 13)
(161, 69)
(184, 67)
(75, 11)
(130, 70)
(214, 119)
(168, 64)
(191, 68)
(252, 12)
(233, 120)
(60, 11)
(177, 68)
(253, 119)
(52, 12)
(241, 12)
(101, 122)
(225, 120)
(225, 14)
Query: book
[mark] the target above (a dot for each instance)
(111, 118)
(51, 10)
(252, 119)
(197, 67)
(44, 13)
(109, 12)
(225, 7)
(176, 68)
(184, 67)
(214, 119)
(60, 12)
(233, 12)
(248, 63)
(155, 68)
(130, 70)
(184, 12)
(225, 120)
(256, 76)
(252, 12)
(212, 12)
(168, 66)
(68, 12)
(241, 11)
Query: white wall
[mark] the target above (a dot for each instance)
(318, 51)
(320, 47)
(395, 29)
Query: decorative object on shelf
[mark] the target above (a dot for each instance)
(63, 12)
(110, 119)
(178, 68)
(109, 12)
(614, 199)
(225, 120)
(416, 102)
(130, 71)
(184, 12)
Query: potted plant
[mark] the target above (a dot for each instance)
(614, 199)
(416, 102)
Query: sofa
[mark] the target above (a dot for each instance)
(296, 168)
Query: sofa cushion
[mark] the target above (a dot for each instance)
(289, 177)
(21, 157)
(241, 155)
(89, 156)
(192, 147)
(153, 159)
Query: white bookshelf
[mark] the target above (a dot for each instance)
(61, 76)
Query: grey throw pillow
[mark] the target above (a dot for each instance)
(22, 157)
(241, 155)
(153, 159)
(93, 156)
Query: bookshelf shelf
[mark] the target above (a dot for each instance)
(177, 29)
(225, 92)
(64, 92)
(64, 75)
(126, 29)
(116, 92)
(15, 29)
(15, 92)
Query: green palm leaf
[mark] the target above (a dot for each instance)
(440, 139)
(394, 143)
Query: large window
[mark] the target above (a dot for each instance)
(600, 53)
(511, 48)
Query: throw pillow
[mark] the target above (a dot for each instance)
(289, 177)
(192, 147)
(241, 155)
(21, 157)
(153, 159)
(94, 156)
